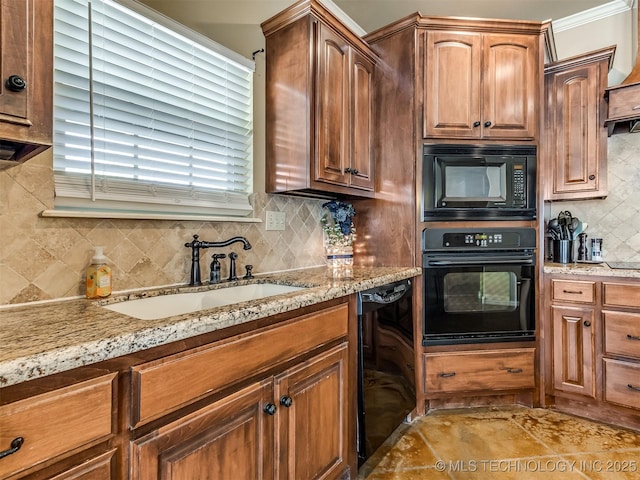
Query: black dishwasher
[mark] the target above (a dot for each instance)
(386, 381)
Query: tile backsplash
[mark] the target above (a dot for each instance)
(46, 258)
(615, 219)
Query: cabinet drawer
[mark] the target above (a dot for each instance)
(573, 291)
(622, 383)
(621, 295)
(482, 370)
(622, 333)
(624, 102)
(164, 385)
(56, 422)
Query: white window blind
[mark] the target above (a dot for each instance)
(145, 117)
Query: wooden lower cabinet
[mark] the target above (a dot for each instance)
(573, 349)
(290, 426)
(312, 419)
(231, 438)
(469, 371)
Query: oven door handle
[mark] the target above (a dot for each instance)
(482, 261)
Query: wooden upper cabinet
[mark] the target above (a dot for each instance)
(319, 104)
(481, 85)
(575, 112)
(26, 84)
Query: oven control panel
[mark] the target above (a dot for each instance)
(462, 239)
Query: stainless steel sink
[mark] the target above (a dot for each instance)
(163, 306)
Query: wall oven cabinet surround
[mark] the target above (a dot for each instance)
(479, 182)
(319, 102)
(594, 349)
(575, 133)
(478, 285)
(26, 88)
(482, 84)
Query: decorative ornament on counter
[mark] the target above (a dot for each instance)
(339, 234)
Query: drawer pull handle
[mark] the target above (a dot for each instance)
(631, 387)
(270, 409)
(16, 443)
(447, 374)
(514, 370)
(633, 337)
(573, 292)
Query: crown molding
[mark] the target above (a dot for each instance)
(344, 18)
(609, 9)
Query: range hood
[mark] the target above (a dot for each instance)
(624, 99)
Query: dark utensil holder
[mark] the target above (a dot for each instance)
(563, 251)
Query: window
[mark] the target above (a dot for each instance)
(148, 116)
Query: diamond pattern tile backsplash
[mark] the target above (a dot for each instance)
(46, 258)
(615, 219)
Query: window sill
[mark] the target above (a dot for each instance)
(144, 216)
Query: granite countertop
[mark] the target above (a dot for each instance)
(593, 269)
(47, 338)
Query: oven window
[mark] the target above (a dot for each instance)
(475, 183)
(480, 292)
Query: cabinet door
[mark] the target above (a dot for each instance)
(510, 86)
(231, 438)
(332, 138)
(314, 429)
(361, 131)
(452, 84)
(573, 350)
(15, 57)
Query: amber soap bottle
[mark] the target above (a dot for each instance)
(98, 276)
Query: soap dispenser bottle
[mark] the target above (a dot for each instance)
(98, 276)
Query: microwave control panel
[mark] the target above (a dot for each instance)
(519, 184)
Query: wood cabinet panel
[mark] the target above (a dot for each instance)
(56, 423)
(231, 438)
(574, 123)
(481, 85)
(479, 370)
(620, 295)
(622, 333)
(573, 349)
(317, 392)
(573, 291)
(26, 52)
(165, 385)
(622, 383)
(101, 467)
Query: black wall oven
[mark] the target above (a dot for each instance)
(478, 285)
(479, 182)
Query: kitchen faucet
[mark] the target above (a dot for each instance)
(197, 244)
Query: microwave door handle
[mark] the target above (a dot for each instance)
(525, 291)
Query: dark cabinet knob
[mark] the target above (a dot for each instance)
(286, 401)
(347, 170)
(16, 83)
(587, 323)
(487, 124)
(592, 177)
(14, 446)
(476, 123)
(355, 171)
(270, 409)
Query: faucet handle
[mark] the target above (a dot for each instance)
(249, 269)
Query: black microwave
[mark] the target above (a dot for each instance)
(480, 182)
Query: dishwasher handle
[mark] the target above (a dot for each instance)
(385, 296)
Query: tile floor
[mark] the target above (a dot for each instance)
(505, 443)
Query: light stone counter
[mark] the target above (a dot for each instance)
(42, 339)
(592, 269)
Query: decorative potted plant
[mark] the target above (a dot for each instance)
(339, 233)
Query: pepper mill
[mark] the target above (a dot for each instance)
(582, 247)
